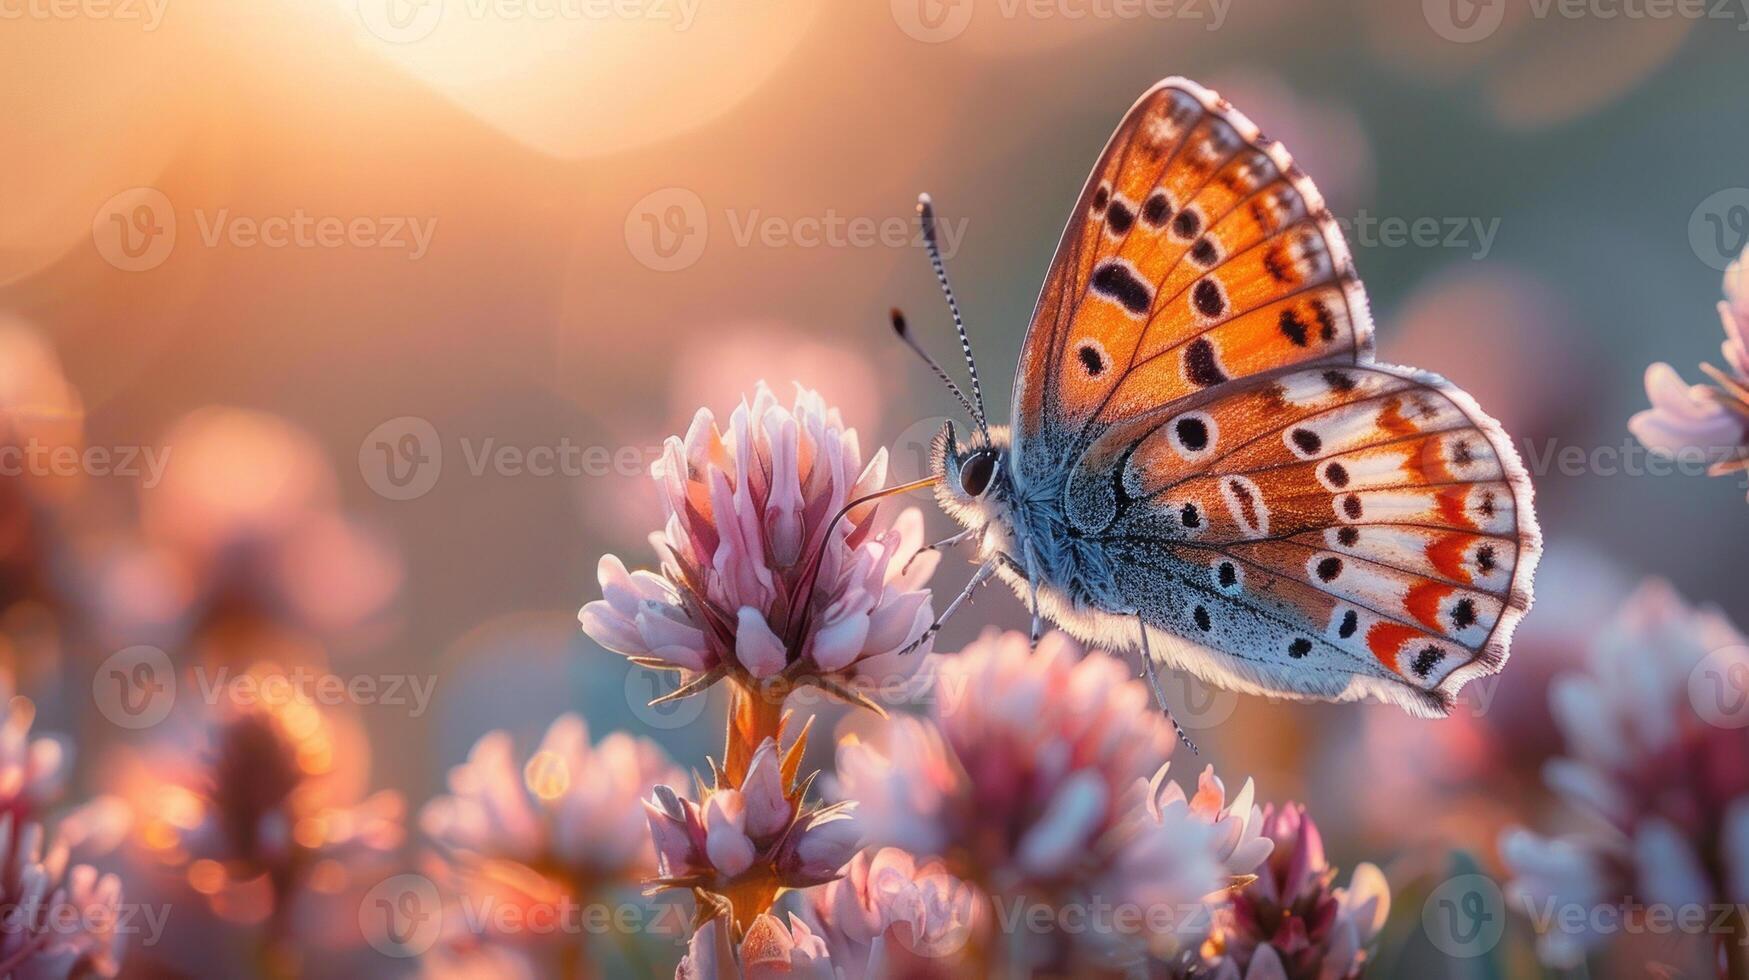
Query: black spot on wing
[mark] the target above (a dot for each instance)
(1156, 208)
(1119, 218)
(1307, 441)
(1293, 328)
(1299, 647)
(1091, 360)
(1193, 434)
(1114, 280)
(1350, 622)
(1206, 294)
(1200, 365)
(1426, 660)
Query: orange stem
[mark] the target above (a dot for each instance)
(755, 715)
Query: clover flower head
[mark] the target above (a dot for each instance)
(741, 846)
(60, 920)
(1292, 920)
(757, 581)
(894, 915)
(1049, 737)
(1656, 765)
(1711, 419)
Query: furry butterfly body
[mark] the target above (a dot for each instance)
(1206, 461)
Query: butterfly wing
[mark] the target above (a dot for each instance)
(1197, 393)
(1197, 253)
(1332, 532)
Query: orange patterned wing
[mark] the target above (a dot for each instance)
(1198, 253)
(1332, 532)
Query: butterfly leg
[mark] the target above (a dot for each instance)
(1152, 674)
(1038, 623)
(978, 578)
(947, 542)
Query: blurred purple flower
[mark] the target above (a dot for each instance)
(1658, 772)
(1712, 420)
(1291, 921)
(891, 915)
(742, 846)
(58, 921)
(746, 511)
(771, 950)
(1062, 748)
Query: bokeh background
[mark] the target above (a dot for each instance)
(566, 233)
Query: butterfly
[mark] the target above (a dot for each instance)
(1207, 464)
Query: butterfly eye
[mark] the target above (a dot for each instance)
(976, 473)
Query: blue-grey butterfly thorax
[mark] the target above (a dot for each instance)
(1023, 525)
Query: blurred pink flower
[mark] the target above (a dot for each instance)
(571, 809)
(59, 921)
(1709, 420)
(771, 950)
(559, 831)
(745, 845)
(1291, 921)
(746, 511)
(1655, 770)
(891, 915)
(1062, 747)
(1459, 783)
(33, 771)
(245, 526)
